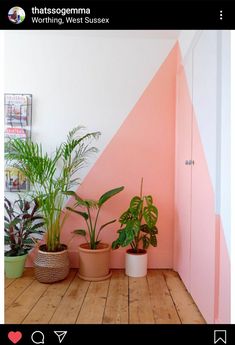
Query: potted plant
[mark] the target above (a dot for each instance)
(50, 177)
(21, 223)
(138, 229)
(93, 255)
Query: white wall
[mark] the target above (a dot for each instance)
(225, 164)
(81, 78)
(205, 96)
(186, 39)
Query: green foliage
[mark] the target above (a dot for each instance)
(51, 176)
(91, 234)
(138, 224)
(21, 223)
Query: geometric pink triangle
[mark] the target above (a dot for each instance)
(143, 146)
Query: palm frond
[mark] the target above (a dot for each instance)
(51, 175)
(28, 157)
(74, 140)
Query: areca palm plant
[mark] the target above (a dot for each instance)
(50, 176)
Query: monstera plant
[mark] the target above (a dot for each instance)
(138, 230)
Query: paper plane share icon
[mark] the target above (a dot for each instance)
(61, 335)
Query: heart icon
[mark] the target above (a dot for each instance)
(14, 336)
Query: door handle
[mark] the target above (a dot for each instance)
(189, 162)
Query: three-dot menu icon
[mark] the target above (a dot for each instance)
(221, 14)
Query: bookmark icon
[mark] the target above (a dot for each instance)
(61, 335)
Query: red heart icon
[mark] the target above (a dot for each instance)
(14, 336)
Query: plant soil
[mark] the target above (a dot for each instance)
(139, 252)
(99, 246)
(62, 247)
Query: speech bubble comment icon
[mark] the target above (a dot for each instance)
(37, 337)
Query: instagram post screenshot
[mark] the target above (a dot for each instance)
(117, 164)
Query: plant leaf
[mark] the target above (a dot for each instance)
(125, 217)
(15, 221)
(29, 241)
(150, 215)
(146, 242)
(153, 240)
(104, 225)
(134, 226)
(145, 228)
(36, 226)
(6, 219)
(80, 232)
(121, 239)
(136, 205)
(72, 193)
(81, 202)
(6, 225)
(83, 214)
(115, 244)
(7, 240)
(149, 200)
(108, 195)
(129, 236)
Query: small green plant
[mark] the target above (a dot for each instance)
(91, 234)
(22, 223)
(50, 176)
(138, 224)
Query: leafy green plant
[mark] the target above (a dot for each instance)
(22, 223)
(138, 224)
(51, 176)
(86, 213)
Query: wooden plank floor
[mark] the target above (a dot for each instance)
(159, 298)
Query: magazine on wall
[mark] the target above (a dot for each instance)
(15, 133)
(17, 112)
(15, 180)
(17, 109)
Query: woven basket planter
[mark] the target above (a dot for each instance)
(51, 267)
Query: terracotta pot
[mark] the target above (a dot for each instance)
(50, 267)
(94, 263)
(136, 263)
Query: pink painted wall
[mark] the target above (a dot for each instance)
(200, 252)
(143, 146)
(194, 206)
(182, 234)
(202, 231)
(223, 279)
